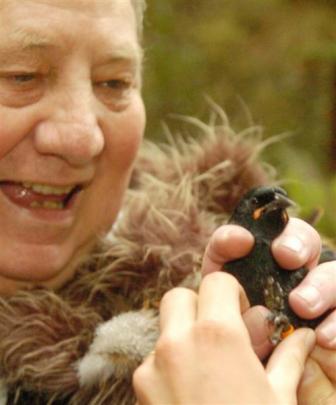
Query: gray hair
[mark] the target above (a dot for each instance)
(139, 8)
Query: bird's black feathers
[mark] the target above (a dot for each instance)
(263, 212)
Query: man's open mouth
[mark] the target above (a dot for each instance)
(38, 195)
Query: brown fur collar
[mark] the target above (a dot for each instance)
(81, 344)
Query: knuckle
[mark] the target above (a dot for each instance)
(209, 327)
(140, 376)
(214, 331)
(226, 237)
(176, 293)
(168, 348)
(216, 278)
(223, 281)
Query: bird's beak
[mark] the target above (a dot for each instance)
(280, 202)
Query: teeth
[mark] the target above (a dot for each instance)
(48, 190)
(53, 205)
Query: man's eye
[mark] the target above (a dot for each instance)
(23, 78)
(18, 89)
(116, 84)
(115, 92)
(20, 81)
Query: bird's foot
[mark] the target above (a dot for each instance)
(274, 298)
(280, 327)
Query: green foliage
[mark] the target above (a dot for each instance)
(278, 56)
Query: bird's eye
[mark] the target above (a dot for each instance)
(255, 201)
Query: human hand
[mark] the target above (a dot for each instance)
(204, 354)
(299, 245)
(318, 383)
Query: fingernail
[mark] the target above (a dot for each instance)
(311, 295)
(329, 333)
(293, 244)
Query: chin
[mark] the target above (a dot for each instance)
(50, 266)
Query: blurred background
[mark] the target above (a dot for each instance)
(276, 57)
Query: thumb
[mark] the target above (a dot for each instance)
(286, 365)
(227, 243)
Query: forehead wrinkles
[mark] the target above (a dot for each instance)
(39, 32)
(98, 7)
(103, 9)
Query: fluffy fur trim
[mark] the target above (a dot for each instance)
(119, 346)
(180, 192)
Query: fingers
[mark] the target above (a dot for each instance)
(298, 245)
(178, 310)
(315, 387)
(286, 364)
(255, 319)
(144, 380)
(220, 302)
(316, 293)
(327, 361)
(221, 298)
(326, 332)
(227, 243)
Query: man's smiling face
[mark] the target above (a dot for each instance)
(71, 120)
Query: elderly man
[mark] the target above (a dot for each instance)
(78, 315)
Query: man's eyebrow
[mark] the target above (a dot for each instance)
(25, 40)
(130, 55)
(28, 40)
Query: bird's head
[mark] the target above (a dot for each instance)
(262, 211)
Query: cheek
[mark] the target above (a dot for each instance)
(14, 126)
(123, 136)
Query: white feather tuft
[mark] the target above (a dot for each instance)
(119, 345)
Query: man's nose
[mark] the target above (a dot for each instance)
(72, 132)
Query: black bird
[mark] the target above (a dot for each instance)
(263, 212)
